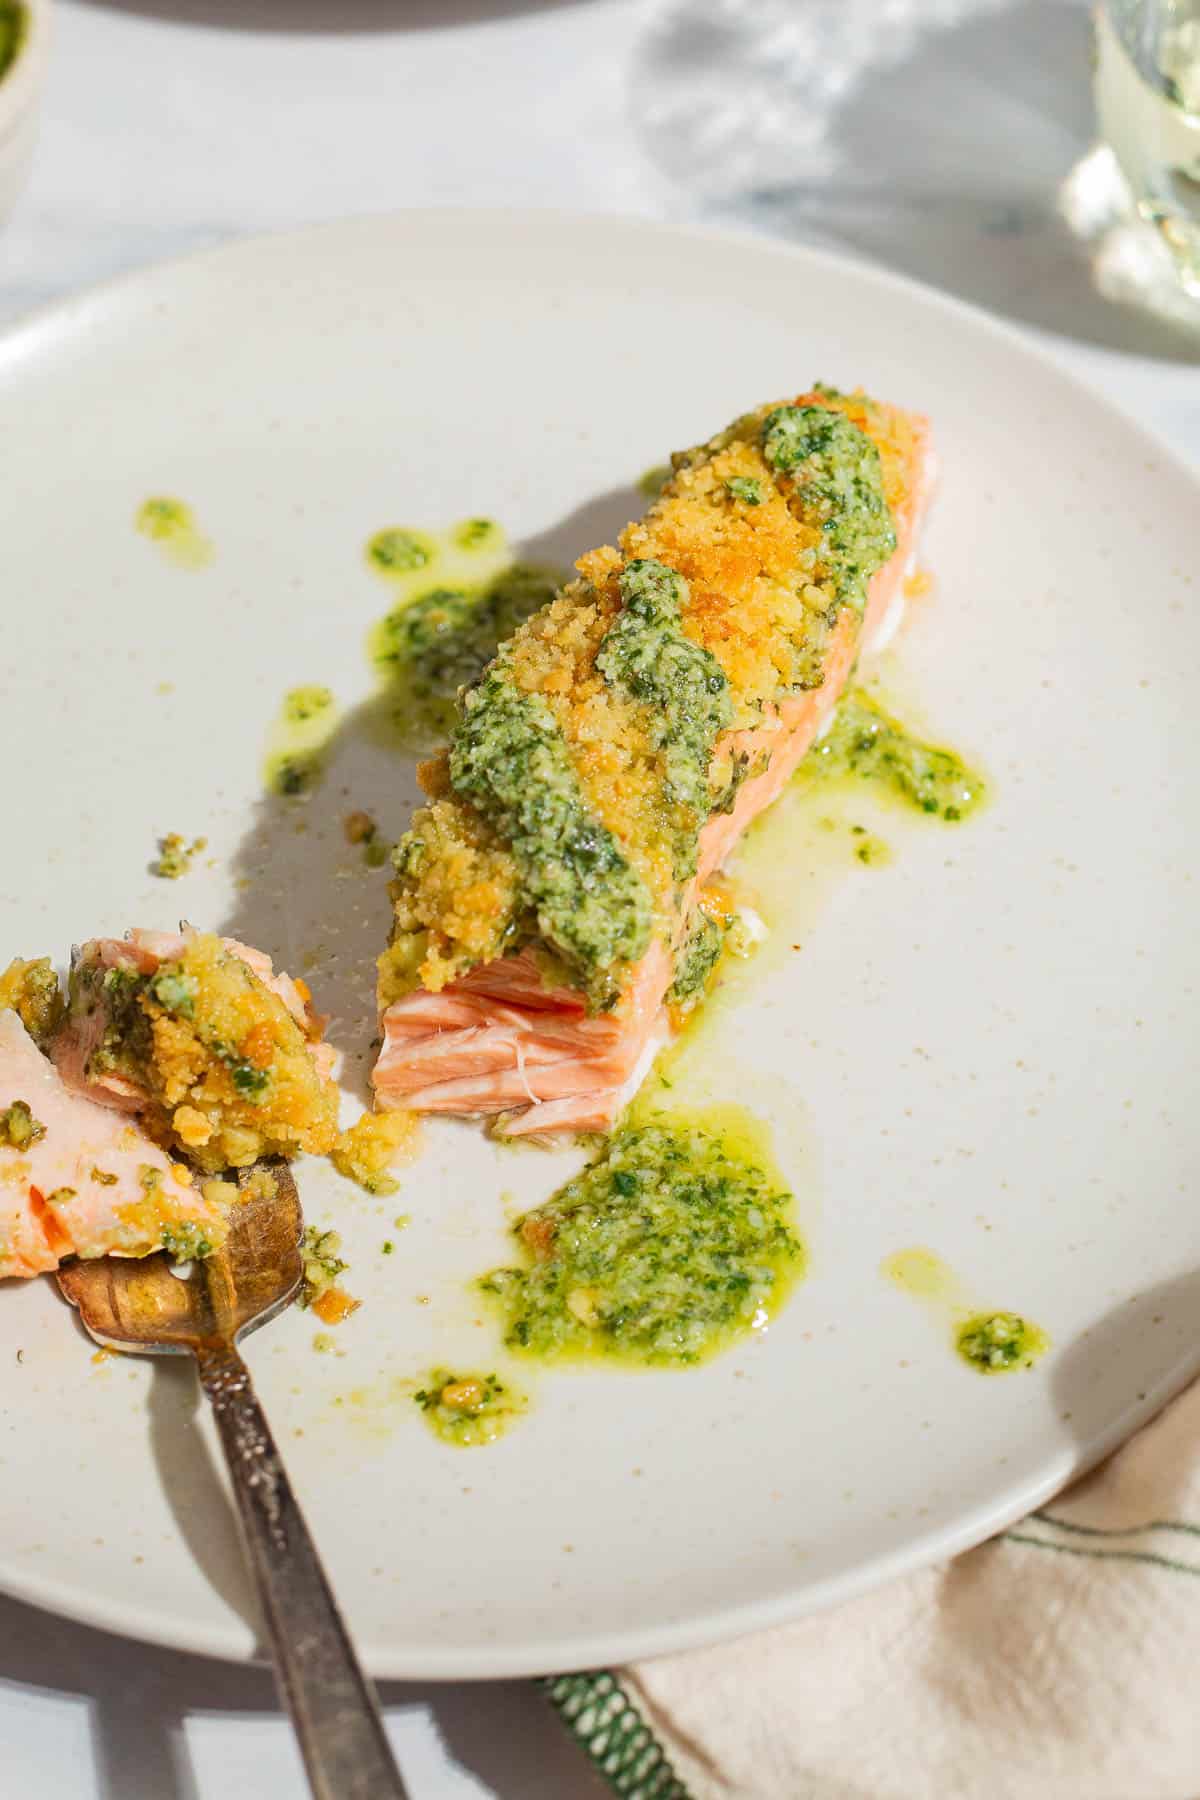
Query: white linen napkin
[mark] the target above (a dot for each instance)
(1059, 1661)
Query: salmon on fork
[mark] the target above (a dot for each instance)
(173, 1057)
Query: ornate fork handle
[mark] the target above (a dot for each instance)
(331, 1703)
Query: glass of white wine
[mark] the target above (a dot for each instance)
(1148, 101)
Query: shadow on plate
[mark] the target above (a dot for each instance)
(951, 142)
(1127, 1351)
(307, 897)
(331, 16)
(198, 1502)
(200, 1507)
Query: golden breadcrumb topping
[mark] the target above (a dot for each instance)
(759, 599)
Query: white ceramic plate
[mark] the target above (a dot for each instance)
(987, 1047)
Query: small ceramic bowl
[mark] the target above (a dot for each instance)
(20, 100)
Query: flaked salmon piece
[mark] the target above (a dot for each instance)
(199, 1036)
(143, 952)
(498, 1040)
(590, 1109)
(77, 1179)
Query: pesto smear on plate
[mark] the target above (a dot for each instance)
(303, 728)
(443, 640)
(994, 1343)
(989, 1342)
(674, 1242)
(868, 742)
(459, 594)
(171, 524)
(468, 1410)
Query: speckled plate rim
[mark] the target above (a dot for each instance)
(614, 1650)
(34, 334)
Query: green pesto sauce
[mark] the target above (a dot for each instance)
(299, 736)
(838, 483)
(441, 640)
(868, 742)
(14, 25)
(132, 1001)
(321, 1262)
(996, 1343)
(409, 560)
(698, 956)
(830, 473)
(992, 1342)
(746, 489)
(457, 594)
(709, 942)
(682, 687)
(652, 481)
(864, 846)
(873, 852)
(18, 1127)
(397, 551)
(478, 534)
(509, 758)
(671, 1244)
(468, 1410)
(30, 989)
(186, 1241)
(171, 525)
(175, 855)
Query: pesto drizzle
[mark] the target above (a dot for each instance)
(868, 742)
(511, 761)
(837, 477)
(996, 1343)
(186, 1240)
(696, 959)
(681, 684)
(832, 476)
(468, 1410)
(18, 1127)
(443, 640)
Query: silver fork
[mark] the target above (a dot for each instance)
(141, 1306)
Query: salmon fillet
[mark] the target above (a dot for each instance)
(77, 1179)
(500, 1037)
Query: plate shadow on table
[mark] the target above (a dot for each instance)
(307, 896)
(958, 150)
(503, 1733)
(345, 16)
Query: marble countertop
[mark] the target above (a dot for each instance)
(171, 126)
